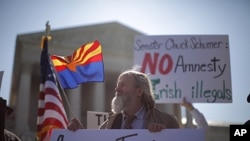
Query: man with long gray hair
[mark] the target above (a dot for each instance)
(133, 106)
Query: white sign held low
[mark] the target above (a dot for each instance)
(128, 135)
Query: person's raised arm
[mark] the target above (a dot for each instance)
(196, 114)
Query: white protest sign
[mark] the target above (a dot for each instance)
(128, 135)
(193, 66)
(95, 119)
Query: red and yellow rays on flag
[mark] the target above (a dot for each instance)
(84, 65)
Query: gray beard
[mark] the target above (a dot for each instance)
(117, 104)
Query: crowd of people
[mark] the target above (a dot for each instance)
(133, 107)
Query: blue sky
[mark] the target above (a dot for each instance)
(152, 17)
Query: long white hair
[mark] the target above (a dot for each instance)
(141, 80)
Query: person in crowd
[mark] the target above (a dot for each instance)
(196, 114)
(248, 101)
(8, 135)
(133, 106)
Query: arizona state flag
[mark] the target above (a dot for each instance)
(84, 65)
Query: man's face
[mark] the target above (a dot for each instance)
(125, 93)
(125, 86)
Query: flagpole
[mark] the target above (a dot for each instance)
(47, 31)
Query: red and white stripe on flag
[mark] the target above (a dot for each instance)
(51, 112)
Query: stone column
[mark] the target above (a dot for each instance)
(22, 107)
(75, 102)
(99, 97)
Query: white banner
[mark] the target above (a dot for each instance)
(193, 66)
(128, 135)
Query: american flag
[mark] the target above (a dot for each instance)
(51, 112)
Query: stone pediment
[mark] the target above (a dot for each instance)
(116, 39)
